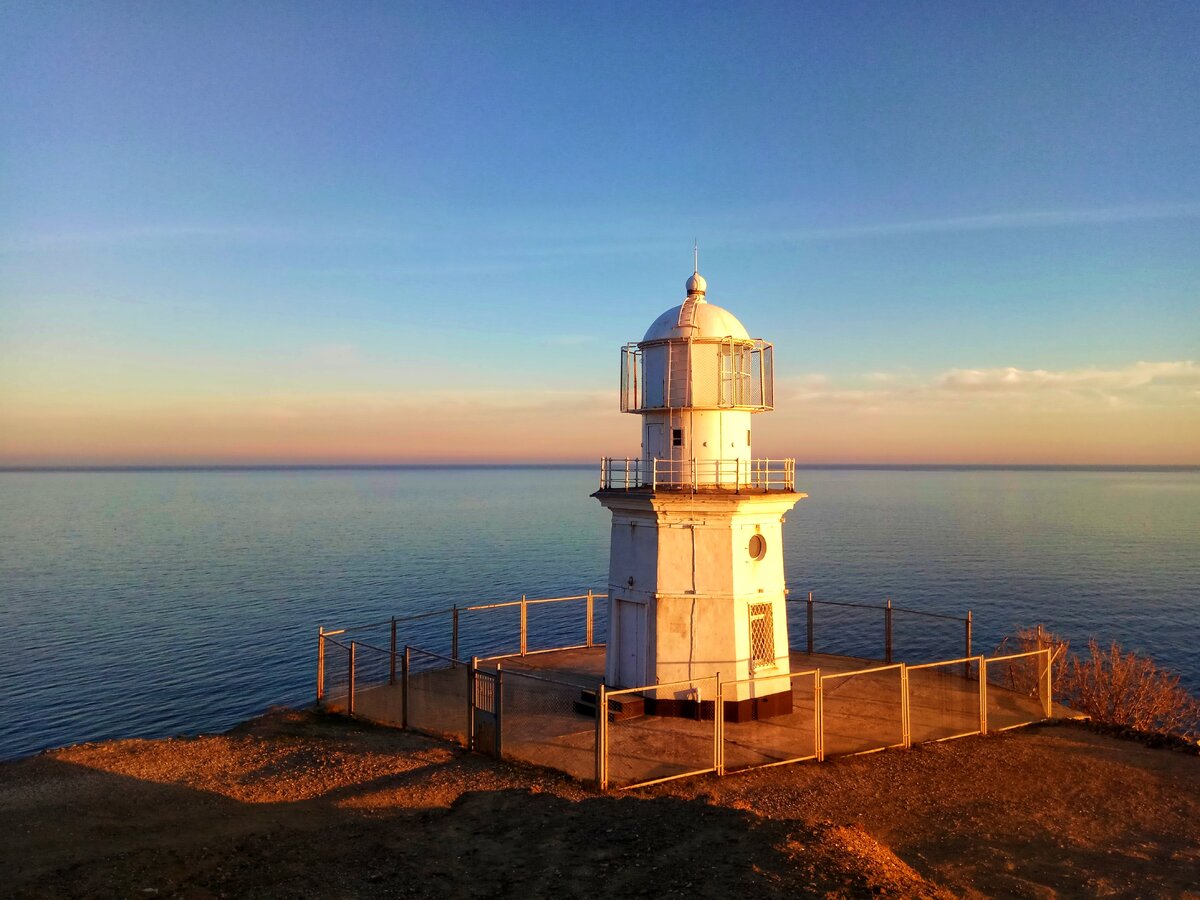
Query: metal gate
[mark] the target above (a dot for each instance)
(486, 705)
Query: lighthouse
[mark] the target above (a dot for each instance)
(696, 580)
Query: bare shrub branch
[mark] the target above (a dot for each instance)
(1111, 685)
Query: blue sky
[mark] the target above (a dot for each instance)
(207, 204)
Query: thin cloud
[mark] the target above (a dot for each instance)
(1171, 383)
(1005, 221)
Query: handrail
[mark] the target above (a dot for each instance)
(450, 610)
(734, 474)
(903, 609)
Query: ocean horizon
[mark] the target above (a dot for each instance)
(144, 601)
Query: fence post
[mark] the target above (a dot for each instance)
(590, 617)
(524, 624)
(817, 713)
(905, 704)
(471, 688)
(819, 717)
(498, 706)
(810, 623)
(887, 631)
(392, 661)
(718, 728)
(1047, 687)
(404, 689)
(350, 700)
(967, 665)
(602, 737)
(320, 663)
(983, 723)
(454, 635)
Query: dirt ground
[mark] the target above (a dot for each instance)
(296, 804)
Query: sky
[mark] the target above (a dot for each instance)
(402, 233)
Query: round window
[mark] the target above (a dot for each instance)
(758, 547)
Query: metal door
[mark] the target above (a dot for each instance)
(486, 696)
(630, 644)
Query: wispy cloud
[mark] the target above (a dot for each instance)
(1172, 383)
(1001, 221)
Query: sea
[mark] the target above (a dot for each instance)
(144, 603)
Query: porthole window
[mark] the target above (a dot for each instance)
(758, 547)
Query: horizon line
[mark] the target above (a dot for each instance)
(582, 466)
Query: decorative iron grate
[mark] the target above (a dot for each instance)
(762, 636)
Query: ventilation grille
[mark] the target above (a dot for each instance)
(762, 637)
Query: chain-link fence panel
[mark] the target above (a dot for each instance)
(438, 695)
(862, 710)
(1017, 688)
(944, 700)
(788, 737)
(334, 663)
(548, 723)
(661, 731)
(378, 692)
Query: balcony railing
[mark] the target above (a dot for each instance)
(751, 475)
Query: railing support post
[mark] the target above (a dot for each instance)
(454, 635)
(404, 688)
(320, 663)
(590, 617)
(967, 665)
(887, 631)
(905, 705)
(810, 623)
(392, 661)
(350, 700)
(524, 625)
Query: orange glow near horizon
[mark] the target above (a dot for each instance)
(580, 427)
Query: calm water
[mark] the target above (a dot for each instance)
(149, 603)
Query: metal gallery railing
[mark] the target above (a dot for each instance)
(885, 617)
(629, 473)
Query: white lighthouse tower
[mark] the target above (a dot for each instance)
(696, 584)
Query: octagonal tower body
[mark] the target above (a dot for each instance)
(696, 578)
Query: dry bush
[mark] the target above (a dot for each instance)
(1022, 675)
(1111, 685)
(1122, 688)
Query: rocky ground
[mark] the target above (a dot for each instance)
(296, 804)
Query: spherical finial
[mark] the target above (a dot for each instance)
(696, 284)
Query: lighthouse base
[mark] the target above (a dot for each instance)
(748, 710)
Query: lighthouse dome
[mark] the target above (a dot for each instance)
(696, 320)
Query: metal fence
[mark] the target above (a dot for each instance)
(879, 631)
(863, 710)
(547, 722)
(787, 738)
(643, 735)
(635, 749)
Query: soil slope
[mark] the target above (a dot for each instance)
(301, 805)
